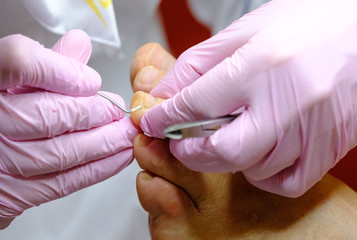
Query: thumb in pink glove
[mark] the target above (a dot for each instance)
(290, 68)
(56, 135)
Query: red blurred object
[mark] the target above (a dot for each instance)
(181, 28)
(183, 31)
(346, 169)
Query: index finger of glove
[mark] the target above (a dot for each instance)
(24, 62)
(45, 115)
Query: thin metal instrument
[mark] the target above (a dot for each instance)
(117, 104)
(202, 128)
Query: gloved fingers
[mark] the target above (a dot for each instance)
(30, 158)
(229, 86)
(290, 182)
(199, 59)
(235, 147)
(26, 62)
(45, 115)
(306, 171)
(21, 90)
(5, 221)
(75, 44)
(286, 151)
(25, 192)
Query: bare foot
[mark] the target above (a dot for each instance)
(183, 204)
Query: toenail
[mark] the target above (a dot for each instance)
(148, 75)
(149, 101)
(144, 140)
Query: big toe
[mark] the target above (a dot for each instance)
(168, 206)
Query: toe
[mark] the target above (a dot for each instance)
(169, 208)
(147, 79)
(139, 60)
(151, 54)
(146, 101)
(158, 196)
(153, 155)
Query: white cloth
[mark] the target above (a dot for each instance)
(97, 18)
(109, 210)
(217, 15)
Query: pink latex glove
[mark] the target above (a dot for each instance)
(62, 138)
(291, 68)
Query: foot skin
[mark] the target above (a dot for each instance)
(183, 204)
(149, 65)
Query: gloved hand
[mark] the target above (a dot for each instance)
(290, 68)
(56, 135)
